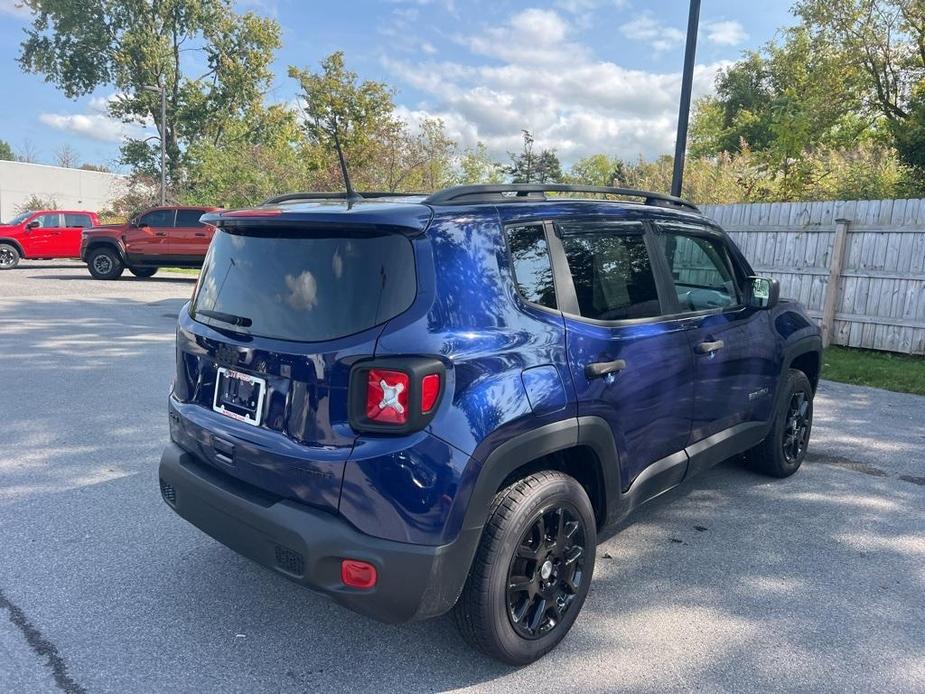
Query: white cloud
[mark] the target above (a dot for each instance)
(96, 122)
(660, 37)
(579, 6)
(303, 291)
(725, 32)
(551, 85)
(15, 8)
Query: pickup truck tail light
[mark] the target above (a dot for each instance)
(395, 395)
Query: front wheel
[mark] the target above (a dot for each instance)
(532, 571)
(784, 448)
(143, 272)
(105, 264)
(9, 256)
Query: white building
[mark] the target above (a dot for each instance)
(73, 189)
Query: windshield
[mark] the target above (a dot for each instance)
(290, 286)
(19, 219)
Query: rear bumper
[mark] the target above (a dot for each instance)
(307, 545)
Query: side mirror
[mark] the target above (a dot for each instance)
(763, 292)
(133, 222)
(34, 224)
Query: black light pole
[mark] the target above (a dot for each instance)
(684, 110)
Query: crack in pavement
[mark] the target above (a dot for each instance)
(42, 647)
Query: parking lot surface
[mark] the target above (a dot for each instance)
(735, 582)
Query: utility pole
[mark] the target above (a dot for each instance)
(162, 136)
(684, 109)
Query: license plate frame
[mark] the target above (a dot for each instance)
(229, 404)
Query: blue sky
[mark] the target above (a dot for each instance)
(584, 75)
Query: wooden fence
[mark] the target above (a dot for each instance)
(857, 265)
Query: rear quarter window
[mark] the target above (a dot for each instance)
(77, 220)
(306, 288)
(530, 263)
(189, 218)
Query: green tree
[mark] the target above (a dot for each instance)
(134, 44)
(529, 166)
(266, 160)
(382, 151)
(476, 166)
(339, 108)
(6, 152)
(597, 170)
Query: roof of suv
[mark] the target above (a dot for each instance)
(413, 211)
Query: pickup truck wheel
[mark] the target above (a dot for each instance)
(143, 272)
(783, 450)
(532, 570)
(105, 264)
(9, 256)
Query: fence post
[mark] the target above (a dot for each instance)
(836, 263)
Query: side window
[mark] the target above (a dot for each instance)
(701, 270)
(48, 221)
(189, 218)
(530, 261)
(77, 220)
(157, 219)
(611, 270)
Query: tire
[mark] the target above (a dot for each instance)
(105, 264)
(784, 448)
(9, 256)
(143, 272)
(518, 541)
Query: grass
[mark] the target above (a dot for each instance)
(898, 372)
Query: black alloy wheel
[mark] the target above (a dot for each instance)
(546, 571)
(796, 432)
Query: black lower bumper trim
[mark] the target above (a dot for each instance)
(307, 545)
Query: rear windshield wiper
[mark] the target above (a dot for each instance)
(229, 318)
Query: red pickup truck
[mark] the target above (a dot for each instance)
(158, 237)
(41, 234)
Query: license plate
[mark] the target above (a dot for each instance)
(239, 395)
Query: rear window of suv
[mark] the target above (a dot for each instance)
(307, 288)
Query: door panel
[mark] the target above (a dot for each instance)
(648, 403)
(190, 239)
(612, 305)
(74, 224)
(150, 237)
(736, 362)
(45, 240)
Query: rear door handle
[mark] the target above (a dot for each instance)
(161, 233)
(199, 233)
(710, 347)
(602, 368)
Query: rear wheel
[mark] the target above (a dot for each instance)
(143, 272)
(105, 264)
(532, 571)
(9, 256)
(783, 450)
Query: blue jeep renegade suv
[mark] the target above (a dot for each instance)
(415, 404)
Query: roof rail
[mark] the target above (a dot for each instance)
(532, 192)
(340, 195)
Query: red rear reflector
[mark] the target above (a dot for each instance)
(358, 574)
(387, 396)
(430, 389)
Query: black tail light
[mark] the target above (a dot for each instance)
(395, 395)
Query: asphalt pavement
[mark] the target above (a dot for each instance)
(734, 582)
